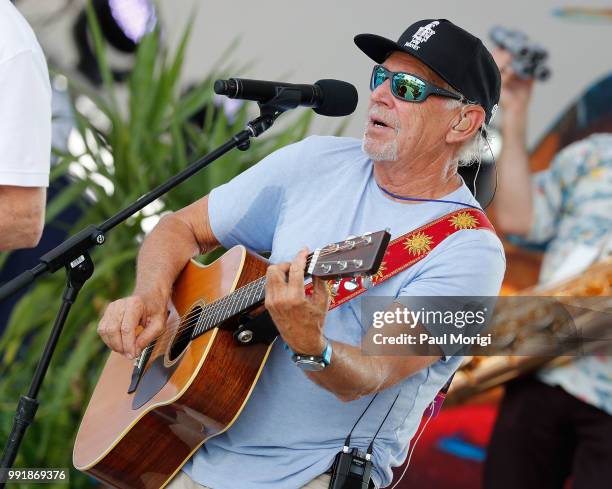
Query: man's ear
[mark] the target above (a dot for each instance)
(466, 124)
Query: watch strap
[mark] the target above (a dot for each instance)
(324, 359)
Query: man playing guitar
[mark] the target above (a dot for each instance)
(432, 92)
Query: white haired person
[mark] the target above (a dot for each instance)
(401, 176)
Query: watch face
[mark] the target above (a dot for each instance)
(307, 364)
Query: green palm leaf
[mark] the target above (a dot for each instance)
(149, 139)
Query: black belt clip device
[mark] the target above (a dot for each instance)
(351, 470)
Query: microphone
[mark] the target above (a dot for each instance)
(326, 97)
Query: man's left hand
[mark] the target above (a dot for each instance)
(299, 318)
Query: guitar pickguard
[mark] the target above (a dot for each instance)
(161, 368)
(152, 381)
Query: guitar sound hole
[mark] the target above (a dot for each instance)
(185, 330)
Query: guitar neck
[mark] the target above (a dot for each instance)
(356, 255)
(238, 302)
(235, 303)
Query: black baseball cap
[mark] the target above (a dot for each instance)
(459, 57)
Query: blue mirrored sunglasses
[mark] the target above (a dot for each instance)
(409, 87)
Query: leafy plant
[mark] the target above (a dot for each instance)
(136, 146)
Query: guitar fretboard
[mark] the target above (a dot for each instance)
(240, 300)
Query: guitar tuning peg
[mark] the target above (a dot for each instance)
(350, 241)
(351, 284)
(366, 281)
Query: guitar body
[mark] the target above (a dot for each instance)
(145, 420)
(189, 395)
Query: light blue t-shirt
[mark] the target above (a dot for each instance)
(313, 193)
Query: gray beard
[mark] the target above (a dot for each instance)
(386, 152)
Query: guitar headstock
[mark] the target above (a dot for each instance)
(357, 255)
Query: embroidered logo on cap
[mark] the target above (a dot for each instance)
(422, 35)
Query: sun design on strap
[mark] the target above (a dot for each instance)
(418, 244)
(329, 285)
(381, 271)
(464, 220)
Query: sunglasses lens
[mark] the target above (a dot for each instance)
(379, 75)
(408, 87)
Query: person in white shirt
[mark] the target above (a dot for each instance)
(25, 132)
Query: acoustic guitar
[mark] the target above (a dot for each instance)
(147, 417)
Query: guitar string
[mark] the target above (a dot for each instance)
(211, 308)
(199, 318)
(203, 314)
(233, 301)
(251, 297)
(199, 322)
(214, 307)
(217, 303)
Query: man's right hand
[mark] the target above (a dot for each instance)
(131, 323)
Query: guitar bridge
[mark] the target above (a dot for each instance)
(139, 364)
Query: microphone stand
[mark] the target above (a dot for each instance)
(73, 255)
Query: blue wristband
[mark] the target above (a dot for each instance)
(327, 353)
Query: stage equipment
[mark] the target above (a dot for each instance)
(326, 97)
(73, 255)
(123, 23)
(528, 57)
(351, 470)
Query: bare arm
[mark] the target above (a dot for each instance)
(353, 373)
(23, 216)
(173, 242)
(513, 203)
(176, 239)
(300, 319)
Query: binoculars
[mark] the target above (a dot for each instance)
(528, 57)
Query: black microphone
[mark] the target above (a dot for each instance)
(326, 97)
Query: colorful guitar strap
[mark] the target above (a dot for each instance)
(409, 249)
(405, 251)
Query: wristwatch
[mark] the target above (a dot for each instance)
(314, 362)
